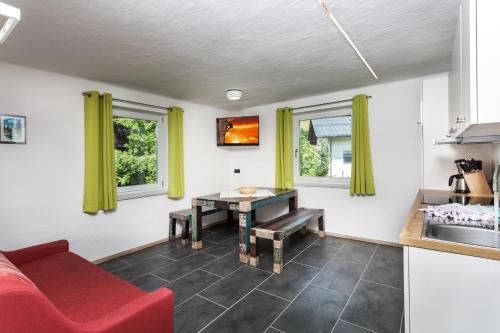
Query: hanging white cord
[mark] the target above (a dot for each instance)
(330, 14)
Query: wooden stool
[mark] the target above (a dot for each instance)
(184, 217)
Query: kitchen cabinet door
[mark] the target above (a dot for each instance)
(462, 77)
(468, 64)
(450, 293)
(488, 61)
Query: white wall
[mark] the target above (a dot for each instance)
(42, 182)
(438, 159)
(394, 112)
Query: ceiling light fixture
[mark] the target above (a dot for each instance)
(13, 15)
(330, 14)
(234, 94)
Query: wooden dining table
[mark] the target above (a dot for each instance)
(245, 207)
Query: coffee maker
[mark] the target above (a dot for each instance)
(460, 184)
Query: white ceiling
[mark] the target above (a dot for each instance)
(274, 50)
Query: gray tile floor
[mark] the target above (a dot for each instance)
(328, 285)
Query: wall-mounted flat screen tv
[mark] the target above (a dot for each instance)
(238, 131)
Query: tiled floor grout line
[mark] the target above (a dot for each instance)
(348, 261)
(381, 284)
(215, 258)
(326, 288)
(210, 286)
(256, 287)
(346, 321)
(180, 259)
(227, 240)
(299, 263)
(201, 268)
(300, 292)
(267, 292)
(161, 255)
(276, 329)
(197, 268)
(208, 254)
(300, 252)
(204, 327)
(335, 249)
(210, 301)
(355, 287)
(159, 277)
(210, 273)
(258, 268)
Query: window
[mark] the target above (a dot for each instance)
(323, 148)
(347, 157)
(140, 144)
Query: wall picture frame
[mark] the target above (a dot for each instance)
(12, 129)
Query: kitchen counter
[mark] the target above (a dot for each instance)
(411, 235)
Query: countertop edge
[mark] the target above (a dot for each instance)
(411, 234)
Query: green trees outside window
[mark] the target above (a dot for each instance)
(314, 159)
(135, 151)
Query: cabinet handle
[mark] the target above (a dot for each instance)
(460, 120)
(452, 129)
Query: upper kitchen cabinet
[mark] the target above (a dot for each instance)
(475, 71)
(462, 79)
(488, 61)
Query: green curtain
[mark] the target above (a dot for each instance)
(361, 169)
(284, 149)
(175, 153)
(100, 176)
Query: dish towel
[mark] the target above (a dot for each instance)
(471, 215)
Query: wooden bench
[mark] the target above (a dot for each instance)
(184, 217)
(280, 228)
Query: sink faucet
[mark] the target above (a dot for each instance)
(495, 195)
(495, 179)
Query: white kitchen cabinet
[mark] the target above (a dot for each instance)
(488, 61)
(455, 83)
(475, 71)
(450, 293)
(462, 79)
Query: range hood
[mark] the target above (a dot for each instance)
(480, 133)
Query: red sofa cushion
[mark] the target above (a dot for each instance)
(9, 270)
(80, 290)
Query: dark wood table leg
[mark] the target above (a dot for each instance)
(293, 203)
(321, 226)
(245, 224)
(254, 249)
(196, 227)
(185, 231)
(171, 231)
(278, 256)
(230, 216)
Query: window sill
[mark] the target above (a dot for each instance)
(323, 184)
(141, 194)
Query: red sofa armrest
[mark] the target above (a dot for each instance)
(152, 313)
(32, 253)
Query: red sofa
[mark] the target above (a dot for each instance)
(46, 288)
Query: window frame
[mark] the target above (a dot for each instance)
(161, 186)
(338, 182)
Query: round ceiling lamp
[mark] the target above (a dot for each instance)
(234, 94)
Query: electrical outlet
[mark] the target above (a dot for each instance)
(236, 170)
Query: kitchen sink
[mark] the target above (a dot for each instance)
(462, 234)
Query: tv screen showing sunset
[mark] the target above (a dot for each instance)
(238, 131)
